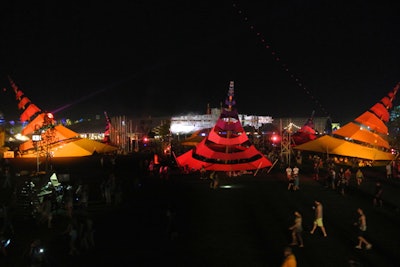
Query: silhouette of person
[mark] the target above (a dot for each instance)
(297, 230)
(362, 230)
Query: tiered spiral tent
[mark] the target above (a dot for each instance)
(364, 138)
(52, 140)
(227, 147)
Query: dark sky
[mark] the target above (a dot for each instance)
(156, 58)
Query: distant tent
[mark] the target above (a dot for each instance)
(227, 147)
(195, 138)
(364, 138)
(306, 132)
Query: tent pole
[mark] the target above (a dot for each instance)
(258, 168)
(173, 153)
(272, 165)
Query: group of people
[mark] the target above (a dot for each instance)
(293, 178)
(297, 227)
(297, 232)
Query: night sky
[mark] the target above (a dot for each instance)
(162, 58)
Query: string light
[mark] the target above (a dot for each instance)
(277, 59)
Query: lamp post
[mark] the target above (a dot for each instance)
(36, 138)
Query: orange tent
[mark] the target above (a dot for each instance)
(79, 147)
(195, 138)
(364, 138)
(335, 146)
(56, 140)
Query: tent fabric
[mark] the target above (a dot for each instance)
(58, 133)
(64, 133)
(237, 139)
(373, 122)
(35, 124)
(194, 139)
(226, 148)
(187, 159)
(226, 153)
(68, 144)
(381, 112)
(83, 147)
(31, 110)
(335, 146)
(79, 147)
(365, 138)
(306, 132)
(362, 134)
(57, 140)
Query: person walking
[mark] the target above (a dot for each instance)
(289, 258)
(214, 180)
(318, 221)
(297, 230)
(362, 230)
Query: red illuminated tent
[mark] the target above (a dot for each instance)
(306, 132)
(227, 147)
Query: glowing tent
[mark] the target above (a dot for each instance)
(195, 138)
(364, 138)
(55, 140)
(77, 147)
(306, 132)
(337, 146)
(227, 147)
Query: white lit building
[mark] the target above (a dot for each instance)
(191, 123)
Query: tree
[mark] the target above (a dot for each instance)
(394, 128)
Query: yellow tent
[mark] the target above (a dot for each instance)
(364, 138)
(363, 134)
(79, 147)
(335, 146)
